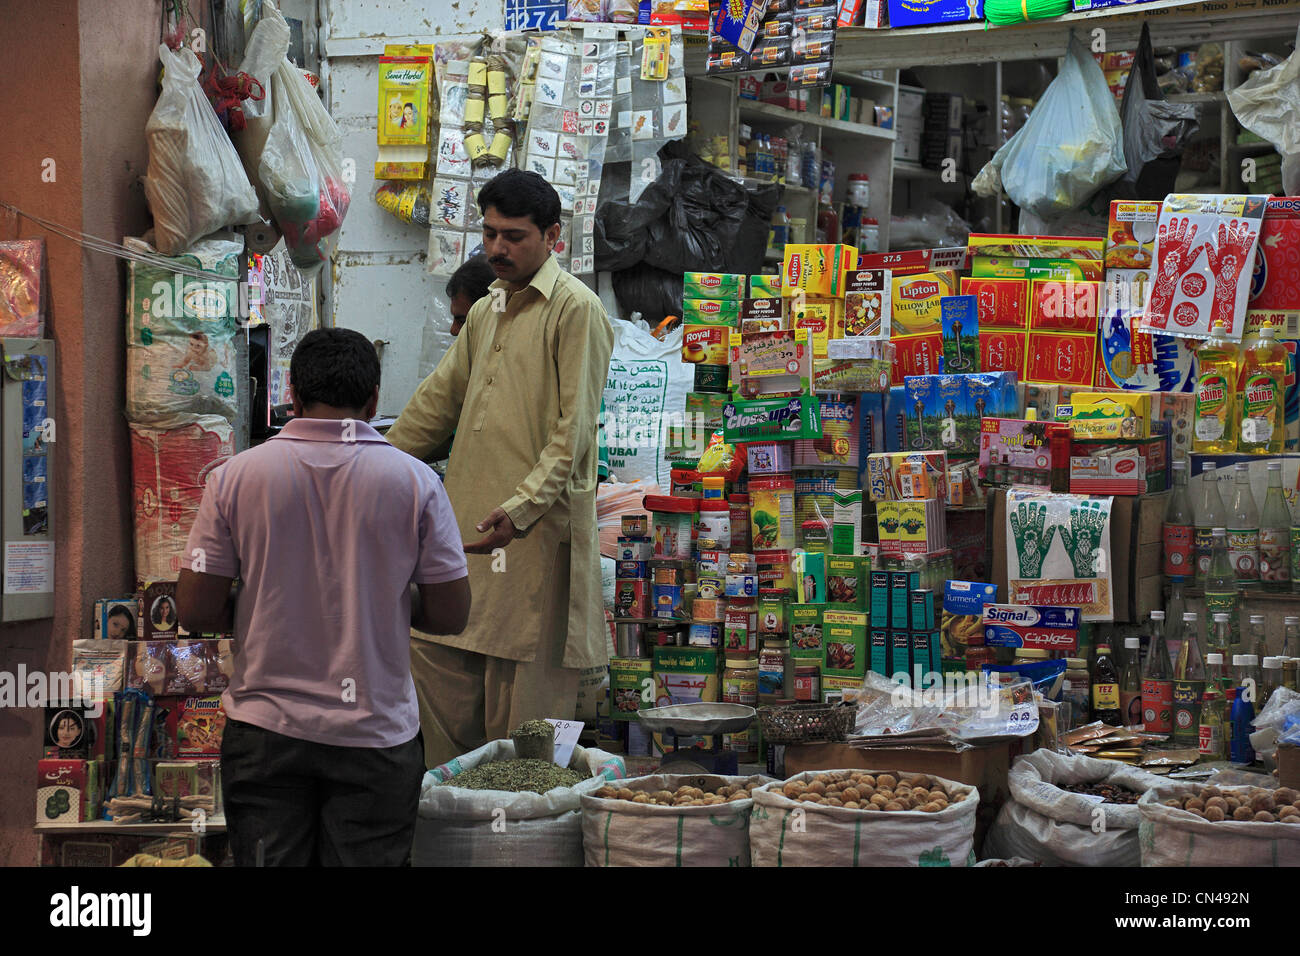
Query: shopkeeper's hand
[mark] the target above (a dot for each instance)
(500, 532)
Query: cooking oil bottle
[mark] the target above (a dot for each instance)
(1263, 380)
(1216, 392)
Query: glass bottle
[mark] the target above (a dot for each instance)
(1179, 526)
(1221, 594)
(1250, 678)
(1291, 637)
(1105, 689)
(1130, 683)
(1210, 514)
(1175, 607)
(1189, 684)
(1157, 679)
(1243, 530)
(1221, 635)
(1272, 670)
(1211, 743)
(1274, 535)
(1216, 674)
(1256, 641)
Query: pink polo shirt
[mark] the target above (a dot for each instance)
(326, 527)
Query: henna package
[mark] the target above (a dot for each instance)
(1059, 553)
(1204, 259)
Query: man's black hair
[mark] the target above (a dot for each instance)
(473, 278)
(336, 367)
(517, 193)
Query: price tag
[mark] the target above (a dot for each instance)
(566, 738)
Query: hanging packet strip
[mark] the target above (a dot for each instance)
(1205, 257)
(737, 22)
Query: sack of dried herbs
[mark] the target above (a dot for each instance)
(477, 825)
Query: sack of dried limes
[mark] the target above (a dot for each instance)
(863, 818)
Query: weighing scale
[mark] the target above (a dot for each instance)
(702, 719)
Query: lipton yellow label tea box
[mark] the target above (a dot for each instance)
(916, 302)
(816, 270)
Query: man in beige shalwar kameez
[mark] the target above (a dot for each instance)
(521, 388)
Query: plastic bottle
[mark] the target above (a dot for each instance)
(1189, 684)
(1215, 422)
(1243, 530)
(780, 229)
(1241, 716)
(1291, 636)
(1221, 594)
(1105, 689)
(1179, 526)
(1130, 683)
(1274, 535)
(1250, 676)
(1263, 422)
(1210, 513)
(1216, 674)
(1211, 743)
(1157, 679)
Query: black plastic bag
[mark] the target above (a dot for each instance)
(1155, 131)
(693, 218)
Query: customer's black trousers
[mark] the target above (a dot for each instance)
(311, 804)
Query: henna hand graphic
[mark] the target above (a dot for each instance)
(1227, 259)
(1174, 244)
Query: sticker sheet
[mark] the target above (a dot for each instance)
(1058, 551)
(1205, 253)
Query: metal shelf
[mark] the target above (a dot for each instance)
(752, 109)
(1173, 23)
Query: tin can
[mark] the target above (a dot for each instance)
(668, 601)
(632, 598)
(629, 569)
(629, 640)
(705, 634)
(667, 572)
(807, 682)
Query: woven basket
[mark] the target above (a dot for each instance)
(806, 723)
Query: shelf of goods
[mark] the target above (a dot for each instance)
(1173, 23)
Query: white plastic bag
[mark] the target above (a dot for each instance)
(1268, 104)
(622, 833)
(301, 170)
(645, 392)
(1071, 146)
(195, 183)
(458, 827)
(1045, 823)
(263, 54)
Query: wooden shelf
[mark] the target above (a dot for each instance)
(766, 112)
(213, 824)
(850, 78)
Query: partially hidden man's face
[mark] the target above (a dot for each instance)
(460, 303)
(515, 247)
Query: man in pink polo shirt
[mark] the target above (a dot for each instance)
(341, 543)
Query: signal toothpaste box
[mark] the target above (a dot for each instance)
(1031, 626)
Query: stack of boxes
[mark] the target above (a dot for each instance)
(942, 139)
(909, 121)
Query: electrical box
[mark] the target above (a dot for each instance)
(27, 435)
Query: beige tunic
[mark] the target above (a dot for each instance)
(521, 389)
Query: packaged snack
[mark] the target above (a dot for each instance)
(200, 726)
(22, 288)
(962, 622)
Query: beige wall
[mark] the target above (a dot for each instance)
(79, 87)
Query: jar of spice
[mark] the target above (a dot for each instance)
(859, 190)
(808, 682)
(714, 530)
(775, 676)
(740, 681)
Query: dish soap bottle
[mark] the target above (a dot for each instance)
(1215, 424)
(1263, 376)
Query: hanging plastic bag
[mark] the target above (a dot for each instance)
(1071, 146)
(195, 183)
(1268, 104)
(1155, 131)
(302, 171)
(265, 51)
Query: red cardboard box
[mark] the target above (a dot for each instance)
(1003, 351)
(1060, 358)
(1275, 284)
(916, 261)
(916, 355)
(1001, 303)
(1063, 305)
